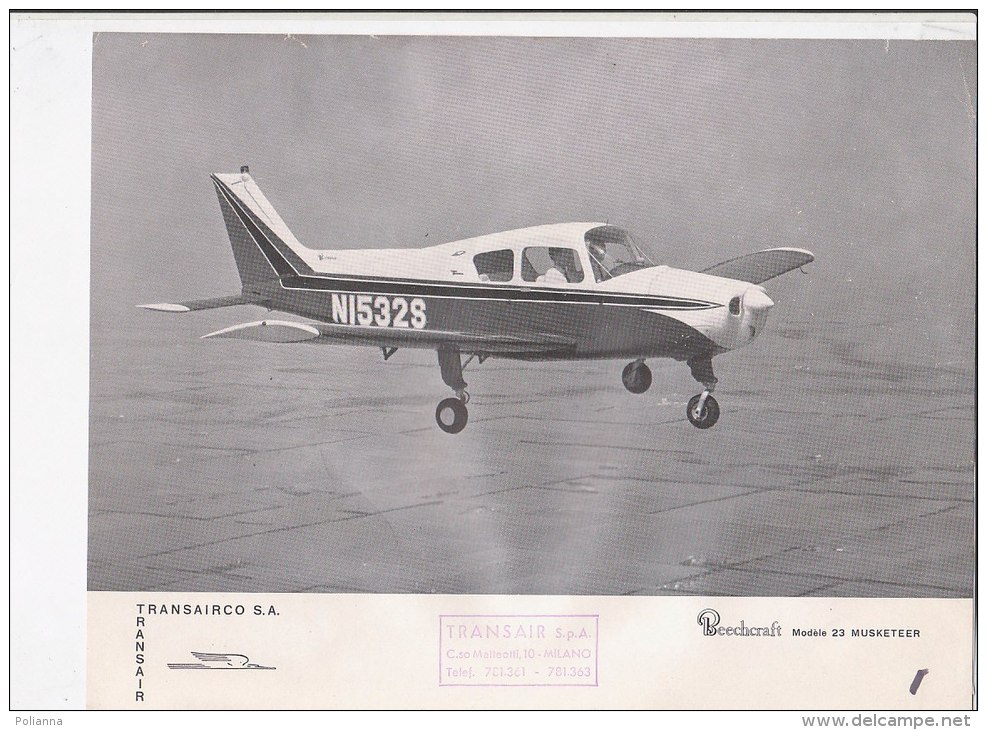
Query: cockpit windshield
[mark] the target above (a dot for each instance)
(613, 252)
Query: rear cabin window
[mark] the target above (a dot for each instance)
(495, 265)
(551, 265)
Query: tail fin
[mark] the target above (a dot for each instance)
(264, 249)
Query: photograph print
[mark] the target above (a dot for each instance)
(532, 315)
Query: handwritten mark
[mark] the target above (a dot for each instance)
(919, 676)
(219, 661)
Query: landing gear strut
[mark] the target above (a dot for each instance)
(451, 413)
(703, 411)
(637, 376)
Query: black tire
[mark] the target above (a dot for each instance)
(454, 408)
(637, 378)
(709, 416)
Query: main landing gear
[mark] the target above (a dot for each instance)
(637, 376)
(703, 411)
(451, 413)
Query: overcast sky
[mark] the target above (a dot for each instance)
(861, 151)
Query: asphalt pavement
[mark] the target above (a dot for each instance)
(239, 466)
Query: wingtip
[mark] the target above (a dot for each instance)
(268, 330)
(234, 329)
(165, 307)
(794, 249)
(217, 333)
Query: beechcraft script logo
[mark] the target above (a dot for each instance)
(709, 619)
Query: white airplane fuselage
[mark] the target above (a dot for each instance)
(550, 292)
(654, 311)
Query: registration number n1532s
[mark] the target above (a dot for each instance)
(377, 310)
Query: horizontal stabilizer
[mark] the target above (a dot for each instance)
(323, 333)
(198, 304)
(761, 266)
(269, 330)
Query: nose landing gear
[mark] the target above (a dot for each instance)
(703, 411)
(637, 376)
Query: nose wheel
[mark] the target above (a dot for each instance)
(703, 411)
(636, 377)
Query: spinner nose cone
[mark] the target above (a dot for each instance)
(757, 301)
(756, 304)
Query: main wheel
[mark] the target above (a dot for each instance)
(451, 415)
(709, 415)
(636, 377)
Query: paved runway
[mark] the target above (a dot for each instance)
(234, 466)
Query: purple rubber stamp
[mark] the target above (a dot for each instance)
(481, 650)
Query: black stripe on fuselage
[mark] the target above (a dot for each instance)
(296, 275)
(467, 291)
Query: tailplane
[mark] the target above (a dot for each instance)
(197, 305)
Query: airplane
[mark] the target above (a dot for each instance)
(566, 291)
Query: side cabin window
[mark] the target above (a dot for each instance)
(551, 265)
(495, 265)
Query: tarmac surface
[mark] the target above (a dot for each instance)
(229, 466)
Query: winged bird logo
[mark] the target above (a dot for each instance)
(208, 660)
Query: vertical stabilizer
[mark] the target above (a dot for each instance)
(263, 247)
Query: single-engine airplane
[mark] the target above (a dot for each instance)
(564, 291)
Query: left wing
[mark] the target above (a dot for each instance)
(279, 331)
(761, 266)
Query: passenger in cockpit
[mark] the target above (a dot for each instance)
(566, 265)
(597, 252)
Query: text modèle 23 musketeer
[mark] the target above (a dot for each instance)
(566, 291)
